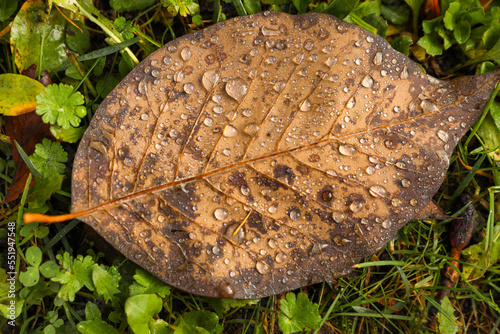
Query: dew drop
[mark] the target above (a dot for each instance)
(217, 98)
(272, 243)
(294, 214)
(220, 213)
(218, 109)
(405, 183)
(443, 135)
(262, 268)
(298, 58)
(386, 224)
(142, 87)
(246, 112)
(370, 170)
(351, 103)
(327, 196)
(378, 191)
(216, 250)
(367, 82)
(189, 88)
(186, 54)
(208, 121)
(309, 45)
(377, 59)
(269, 31)
(173, 133)
(144, 117)
(428, 106)
(404, 73)
(237, 89)
(272, 209)
(179, 76)
(347, 150)
(279, 86)
(230, 131)
(413, 202)
(251, 129)
(210, 79)
(356, 206)
(167, 60)
(400, 165)
(155, 72)
(330, 61)
(306, 105)
(280, 257)
(245, 191)
(396, 202)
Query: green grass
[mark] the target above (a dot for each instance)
(394, 291)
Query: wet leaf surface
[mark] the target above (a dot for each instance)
(268, 152)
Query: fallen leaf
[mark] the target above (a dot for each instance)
(18, 94)
(28, 130)
(267, 152)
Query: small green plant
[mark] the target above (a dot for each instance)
(58, 105)
(298, 313)
(466, 24)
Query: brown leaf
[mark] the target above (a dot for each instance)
(268, 152)
(28, 130)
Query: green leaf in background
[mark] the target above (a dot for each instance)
(7, 8)
(49, 269)
(222, 306)
(43, 190)
(49, 158)
(124, 27)
(38, 35)
(182, 7)
(105, 284)
(490, 134)
(446, 324)
(123, 5)
(34, 256)
(298, 313)
(77, 38)
(56, 104)
(477, 256)
(18, 94)
(341, 8)
(431, 41)
(402, 44)
(203, 322)
(396, 12)
(96, 327)
(29, 277)
(92, 312)
(301, 5)
(71, 135)
(146, 283)
(140, 310)
(462, 31)
(252, 6)
(491, 37)
(75, 274)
